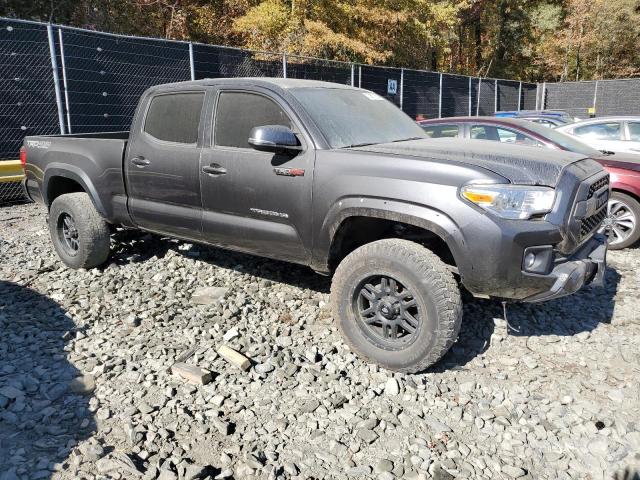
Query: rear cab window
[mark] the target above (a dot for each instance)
(441, 131)
(174, 117)
(238, 112)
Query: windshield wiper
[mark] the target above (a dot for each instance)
(407, 139)
(354, 145)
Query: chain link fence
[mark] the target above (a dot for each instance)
(10, 193)
(593, 98)
(59, 79)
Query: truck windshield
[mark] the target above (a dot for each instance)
(353, 118)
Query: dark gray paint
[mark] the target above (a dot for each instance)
(250, 208)
(519, 164)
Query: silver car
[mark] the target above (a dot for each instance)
(613, 134)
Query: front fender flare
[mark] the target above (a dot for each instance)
(417, 215)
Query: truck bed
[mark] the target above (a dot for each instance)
(93, 160)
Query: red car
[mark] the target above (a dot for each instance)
(623, 221)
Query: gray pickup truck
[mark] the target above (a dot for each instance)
(339, 179)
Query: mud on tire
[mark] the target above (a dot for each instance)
(396, 304)
(79, 234)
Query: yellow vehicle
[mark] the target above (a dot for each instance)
(11, 174)
(11, 171)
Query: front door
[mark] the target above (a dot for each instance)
(256, 202)
(162, 165)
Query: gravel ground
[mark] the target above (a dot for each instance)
(85, 390)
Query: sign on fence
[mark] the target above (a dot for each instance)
(392, 86)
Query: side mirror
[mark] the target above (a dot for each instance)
(274, 138)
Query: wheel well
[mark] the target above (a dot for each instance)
(61, 185)
(627, 192)
(357, 231)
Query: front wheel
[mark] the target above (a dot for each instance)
(79, 234)
(397, 304)
(622, 223)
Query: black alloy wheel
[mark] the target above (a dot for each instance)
(68, 234)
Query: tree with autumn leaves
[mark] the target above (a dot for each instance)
(522, 39)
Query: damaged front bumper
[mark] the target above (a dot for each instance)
(585, 266)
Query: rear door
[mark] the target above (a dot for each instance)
(256, 202)
(162, 164)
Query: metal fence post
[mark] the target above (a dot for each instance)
(440, 99)
(401, 86)
(495, 96)
(470, 96)
(520, 97)
(192, 65)
(353, 75)
(64, 80)
(537, 95)
(56, 79)
(543, 100)
(478, 98)
(284, 64)
(359, 76)
(595, 99)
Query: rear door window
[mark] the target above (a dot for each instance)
(238, 112)
(175, 117)
(599, 131)
(441, 131)
(634, 131)
(503, 135)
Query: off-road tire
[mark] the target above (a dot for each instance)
(435, 289)
(634, 206)
(93, 233)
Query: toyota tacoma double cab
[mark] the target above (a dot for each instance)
(341, 180)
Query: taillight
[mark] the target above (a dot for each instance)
(23, 157)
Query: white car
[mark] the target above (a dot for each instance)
(614, 134)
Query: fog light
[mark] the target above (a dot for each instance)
(538, 259)
(529, 260)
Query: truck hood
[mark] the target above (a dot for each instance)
(519, 164)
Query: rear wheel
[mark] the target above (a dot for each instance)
(622, 223)
(79, 234)
(397, 304)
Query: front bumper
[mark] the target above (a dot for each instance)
(496, 267)
(585, 266)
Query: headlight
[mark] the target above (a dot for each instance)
(511, 201)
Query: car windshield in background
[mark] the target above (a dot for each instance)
(351, 118)
(565, 141)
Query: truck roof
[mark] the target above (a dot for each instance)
(283, 83)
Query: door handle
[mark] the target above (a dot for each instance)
(140, 162)
(214, 169)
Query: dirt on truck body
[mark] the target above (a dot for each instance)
(339, 179)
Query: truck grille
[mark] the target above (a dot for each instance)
(590, 224)
(597, 185)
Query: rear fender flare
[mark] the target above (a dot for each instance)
(57, 169)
